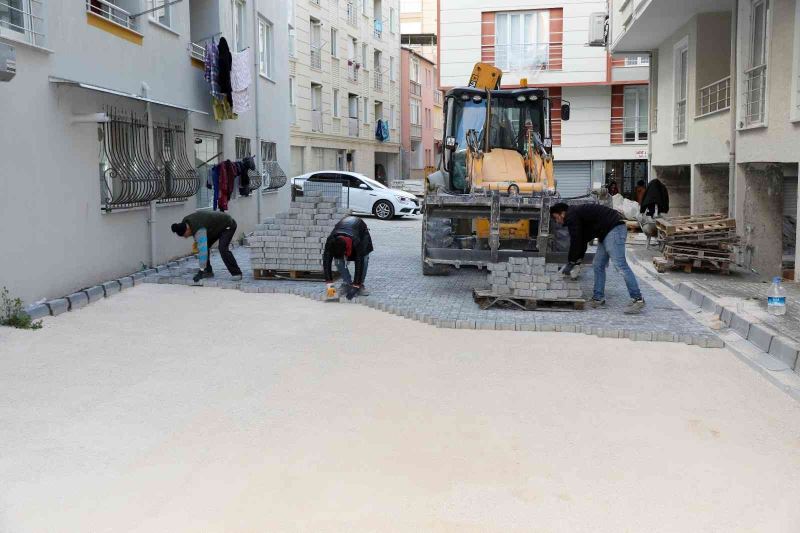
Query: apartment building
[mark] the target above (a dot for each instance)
(108, 132)
(344, 76)
(419, 27)
(421, 118)
(548, 43)
(725, 108)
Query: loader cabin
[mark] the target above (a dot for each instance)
(513, 125)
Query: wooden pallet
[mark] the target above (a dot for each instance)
(486, 299)
(696, 225)
(692, 253)
(663, 264)
(294, 275)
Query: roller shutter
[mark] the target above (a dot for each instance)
(573, 178)
(790, 196)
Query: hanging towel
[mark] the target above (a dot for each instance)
(225, 63)
(212, 68)
(378, 131)
(240, 80)
(384, 130)
(241, 101)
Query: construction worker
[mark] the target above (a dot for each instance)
(208, 227)
(639, 192)
(349, 241)
(594, 221)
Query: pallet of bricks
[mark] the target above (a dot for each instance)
(529, 283)
(704, 242)
(291, 244)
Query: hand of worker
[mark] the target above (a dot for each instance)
(566, 270)
(575, 272)
(197, 277)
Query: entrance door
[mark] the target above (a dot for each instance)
(206, 155)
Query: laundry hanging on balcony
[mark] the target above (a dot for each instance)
(240, 80)
(217, 73)
(382, 130)
(222, 180)
(212, 67)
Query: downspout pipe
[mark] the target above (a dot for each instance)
(734, 89)
(255, 108)
(151, 219)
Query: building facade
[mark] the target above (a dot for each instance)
(419, 27)
(113, 133)
(421, 118)
(725, 112)
(344, 70)
(548, 43)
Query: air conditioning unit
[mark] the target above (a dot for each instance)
(597, 29)
(8, 62)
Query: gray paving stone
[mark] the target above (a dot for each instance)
(485, 324)
(545, 327)
(95, 293)
(58, 306)
(125, 283)
(697, 297)
(37, 311)
(740, 325)
(506, 326)
(526, 326)
(445, 323)
(760, 336)
(77, 300)
(111, 287)
(785, 350)
(711, 306)
(138, 277)
(726, 316)
(149, 272)
(685, 290)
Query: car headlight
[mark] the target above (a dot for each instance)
(402, 198)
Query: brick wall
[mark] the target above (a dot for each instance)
(617, 113)
(555, 94)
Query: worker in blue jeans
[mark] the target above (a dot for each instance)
(594, 221)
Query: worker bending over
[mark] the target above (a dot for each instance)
(593, 221)
(208, 227)
(349, 241)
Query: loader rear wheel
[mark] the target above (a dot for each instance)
(436, 233)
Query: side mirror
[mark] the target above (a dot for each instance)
(363, 186)
(449, 147)
(564, 111)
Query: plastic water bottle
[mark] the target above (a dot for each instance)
(776, 299)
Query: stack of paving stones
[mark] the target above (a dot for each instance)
(530, 277)
(294, 240)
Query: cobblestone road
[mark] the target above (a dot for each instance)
(397, 286)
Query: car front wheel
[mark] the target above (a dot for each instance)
(383, 209)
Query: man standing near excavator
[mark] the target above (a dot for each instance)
(594, 221)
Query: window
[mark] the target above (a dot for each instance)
(163, 15)
(336, 103)
(239, 25)
(242, 147)
(681, 76)
(363, 7)
(415, 115)
(292, 45)
(291, 90)
(634, 128)
(414, 70)
(316, 107)
(334, 43)
(19, 19)
(378, 111)
(522, 40)
(315, 44)
(391, 19)
(366, 110)
(391, 68)
(266, 47)
(391, 118)
(364, 52)
(641, 60)
(269, 154)
(755, 75)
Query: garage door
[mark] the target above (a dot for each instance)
(573, 178)
(790, 196)
(297, 161)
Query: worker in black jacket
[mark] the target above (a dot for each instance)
(349, 241)
(594, 221)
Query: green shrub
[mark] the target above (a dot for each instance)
(13, 314)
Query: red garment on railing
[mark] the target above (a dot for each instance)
(227, 181)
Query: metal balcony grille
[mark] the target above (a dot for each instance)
(378, 80)
(128, 175)
(714, 97)
(275, 176)
(352, 14)
(755, 95)
(316, 56)
(181, 180)
(110, 12)
(352, 72)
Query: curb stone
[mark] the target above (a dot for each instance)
(95, 293)
(58, 306)
(77, 300)
(37, 311)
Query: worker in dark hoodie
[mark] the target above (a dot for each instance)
(349, 241)
(594, 221)
(208, 227)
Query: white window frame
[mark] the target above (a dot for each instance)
(364, 56)
(335, 106)
(391, 68)
(292, 89)
(156, 16)
(640, 133)
(680, 106)
(753, 73)
(639, 60)
(392, 111)
(414, 71)
(528, 57)
(391, 19)
(31, 29)
(414, 112)
(239, 25)
(366, 110)
(334, 42)
(266, 47)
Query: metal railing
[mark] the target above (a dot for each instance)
(316, 56)
(755, 95)
(352, 14)
(352, 126)
(197, 51)
(437, 97)
(415, 88)
(24, 18)
(378, 29)
(352, 72)
(518, 57)
(110, 12)
(714, 97)
(181, 180)
(377, 80)
(679, 132)
(416, 131)
(274, 176)
(316, 120)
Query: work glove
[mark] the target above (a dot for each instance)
(352, 292)
(197, 277)
(573, 270)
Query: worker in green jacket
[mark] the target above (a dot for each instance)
(208, 227)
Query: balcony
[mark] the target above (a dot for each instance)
(415, 89)
(316, 57)
(352, 71)
(378, 80)
(352, 126)
(352, 14)
(714, 97)
(316, 120)
(378, 28)
(416, 131)
(112, 13)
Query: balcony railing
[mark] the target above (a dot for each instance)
(378, 80)
(378, 28)
(352, 126)
(109, 11)
(415, 88)
(352, 72)
(679, 132)
(316, 56)
(23, 18)
(755, 94)
(316, 120)
(352, 14)
(416, 131)
(437, 97)
(525, 58)
(714, 97)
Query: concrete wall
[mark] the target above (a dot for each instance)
(678, 181)
(61, 240)
(760, 217)
(709, 192)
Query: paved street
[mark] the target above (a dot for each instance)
(395, 279)
(169, 408)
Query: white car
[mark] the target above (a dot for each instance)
(365, 195)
